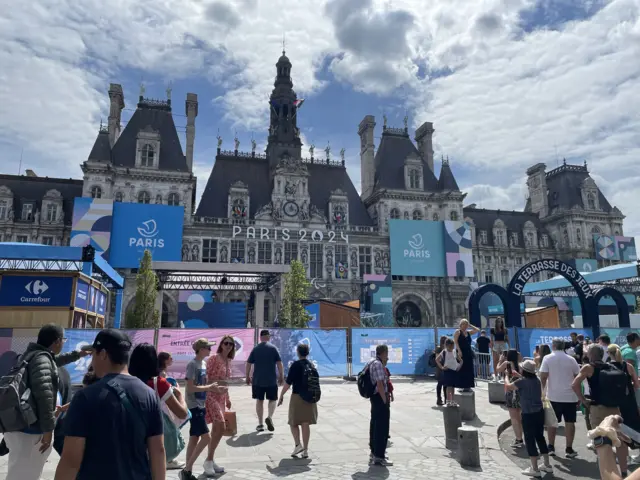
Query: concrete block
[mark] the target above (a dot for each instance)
(496, 392)
(452, 421)
(468, 447)
(467, 402)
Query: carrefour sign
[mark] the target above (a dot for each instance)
(35, 291)
(138, 227)
(417, 248)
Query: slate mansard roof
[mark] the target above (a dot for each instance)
(565, 188)
(255, 173)
(28, 189)
(151, 115)
(514, 222)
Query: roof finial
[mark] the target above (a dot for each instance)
(585, 164)
(406, 122)
(564, 161)
(142, 87)
(169, 89)
(284, 44)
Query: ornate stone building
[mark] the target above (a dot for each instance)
(272, 207)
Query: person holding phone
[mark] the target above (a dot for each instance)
(509, 364)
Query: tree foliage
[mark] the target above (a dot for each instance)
(144, 314)
(292, 313)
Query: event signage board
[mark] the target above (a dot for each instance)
(528, 338)
(35, 291)
(76, 339)
(618, 335)
(610, 247)
(378, 300)
(101, 302)
(91, 223)
(82, 295)
(289, 234)
(584, 265)
(138, 227)
(178, 342)
(327, 349)
(417, 248)
(199, 309)
(409, 348)
(516, 287)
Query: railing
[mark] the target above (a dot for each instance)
(483, 366)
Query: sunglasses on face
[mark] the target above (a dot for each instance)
(228, 344)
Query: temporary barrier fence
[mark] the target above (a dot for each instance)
(336, 353)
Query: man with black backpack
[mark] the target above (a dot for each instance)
(28, 425)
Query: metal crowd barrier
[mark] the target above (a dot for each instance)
(483, 366)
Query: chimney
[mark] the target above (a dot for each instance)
(424, 139)
(191, 110)
(367, 153)
(116, 98)
(30, 173)
(537, 187)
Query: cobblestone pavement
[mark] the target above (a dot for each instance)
(338, 447)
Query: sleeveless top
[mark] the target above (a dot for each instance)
(498, 336)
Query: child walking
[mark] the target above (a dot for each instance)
(447, 361)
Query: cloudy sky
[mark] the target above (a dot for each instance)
(507, 83)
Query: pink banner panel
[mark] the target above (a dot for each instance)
(178, 342)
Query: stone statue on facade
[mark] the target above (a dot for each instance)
(406, 122)
(329, 257)
(278, 259)
(185, 253)
(354, 259)
(378, 260)
(253, 146)
(312, 148)
(195, 253)
(224, 252)
(384, 120)
(236, 142)
(303, 257)
(276, 211)
(252, 254)
(169, 89)
(219, 141)
(327, 151)
(342, 154)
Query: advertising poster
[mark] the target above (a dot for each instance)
(82, 295)
(76, 339)
(378, 299)
(91, 223)
(199, 309)
(35, 291)
(409, 348)
(457, 246)
(417, 248)
(528, 338)
(101, 302)
(178, 342)
(327, 349)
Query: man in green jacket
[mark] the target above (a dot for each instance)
(29, 449)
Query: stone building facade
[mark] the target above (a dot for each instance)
(272, 207)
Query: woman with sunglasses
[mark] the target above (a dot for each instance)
(218, 371)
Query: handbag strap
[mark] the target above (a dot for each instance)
(128, 406)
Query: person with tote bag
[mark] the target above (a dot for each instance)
(144, 365)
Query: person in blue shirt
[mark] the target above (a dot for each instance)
(113, 428)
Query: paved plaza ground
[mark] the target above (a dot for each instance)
(339, 450)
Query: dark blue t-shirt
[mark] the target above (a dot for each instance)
(115, 443)
(264, 358)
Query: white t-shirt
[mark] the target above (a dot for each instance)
(562, 369)
(450, 359)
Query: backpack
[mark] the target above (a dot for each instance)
(17, 407)
(311, 381)
(613, 386)
(365, 387)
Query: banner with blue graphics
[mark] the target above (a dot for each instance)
(528, 338)
(82, 295)
(138, 227)
(314, 311)
(327, 349)
(417, 248)
(409, 348)
(449, 332)
(76, 339)
(618, 335)
(35, 291)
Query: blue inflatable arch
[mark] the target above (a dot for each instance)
(623, 309)
(474, 302)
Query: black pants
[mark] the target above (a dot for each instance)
(379, 426)
(533, 429)
(439, 390)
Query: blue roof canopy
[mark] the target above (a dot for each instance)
(606, 274)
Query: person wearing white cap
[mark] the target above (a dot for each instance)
(530, 390)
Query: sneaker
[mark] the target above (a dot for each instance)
(439, 403)
(175, 465)
(297, 450)
(184, 475)
(546, 468)
(570, 453)
(212, 468)
(592, 447)
(269, 423)
(382, 462)
(260, 428)
(530, 472)
(305, 454)
(552, 450)
(517, 444)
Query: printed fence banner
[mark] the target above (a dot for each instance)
(618, 335)
(13, 342)
(76, 339)
(528, 338)
(178, 342)
(448, 332)
(409, 348)
(327, 349)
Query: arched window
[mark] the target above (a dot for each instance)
(453, 216)
(417, 215)
(173, 200)
(52, 212)
(144, 197)
(483, 237)
(595, 229)
(158, 199)
(499, 237)
(147, 156)
(616, 233)
(395, 213)
(96, 192)
(119, 197)
(436, 217)
(591, 201)
(414, 179)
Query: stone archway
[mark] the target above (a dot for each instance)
(411, 311)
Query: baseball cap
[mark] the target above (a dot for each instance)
(112, 340)
(264, 333)
(202, 343)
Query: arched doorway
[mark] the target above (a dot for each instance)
(408, 315)
(474, 302)
(585, 294)
(621, 304)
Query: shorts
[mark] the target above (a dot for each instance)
(597, 413)
(566, 410)
(198, 424)
(500, 347)
(258, 393)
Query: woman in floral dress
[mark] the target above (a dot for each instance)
(218, 371)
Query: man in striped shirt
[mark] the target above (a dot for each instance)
(380, 412)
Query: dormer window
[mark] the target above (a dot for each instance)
(514, 239)
(454, 216)
(238, 210)
(545, 240)
(144, 197)
(52, 212)
(27, 211)
(499, 237)
(414, 179)
(148, 148)
(395, 214)
(483, 237)
(173, 199)
(413, 172)
(4, 209)
(529, 239)
(96, 192)
(147, 156)
(591, 201)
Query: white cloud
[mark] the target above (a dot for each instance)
(501, 99)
